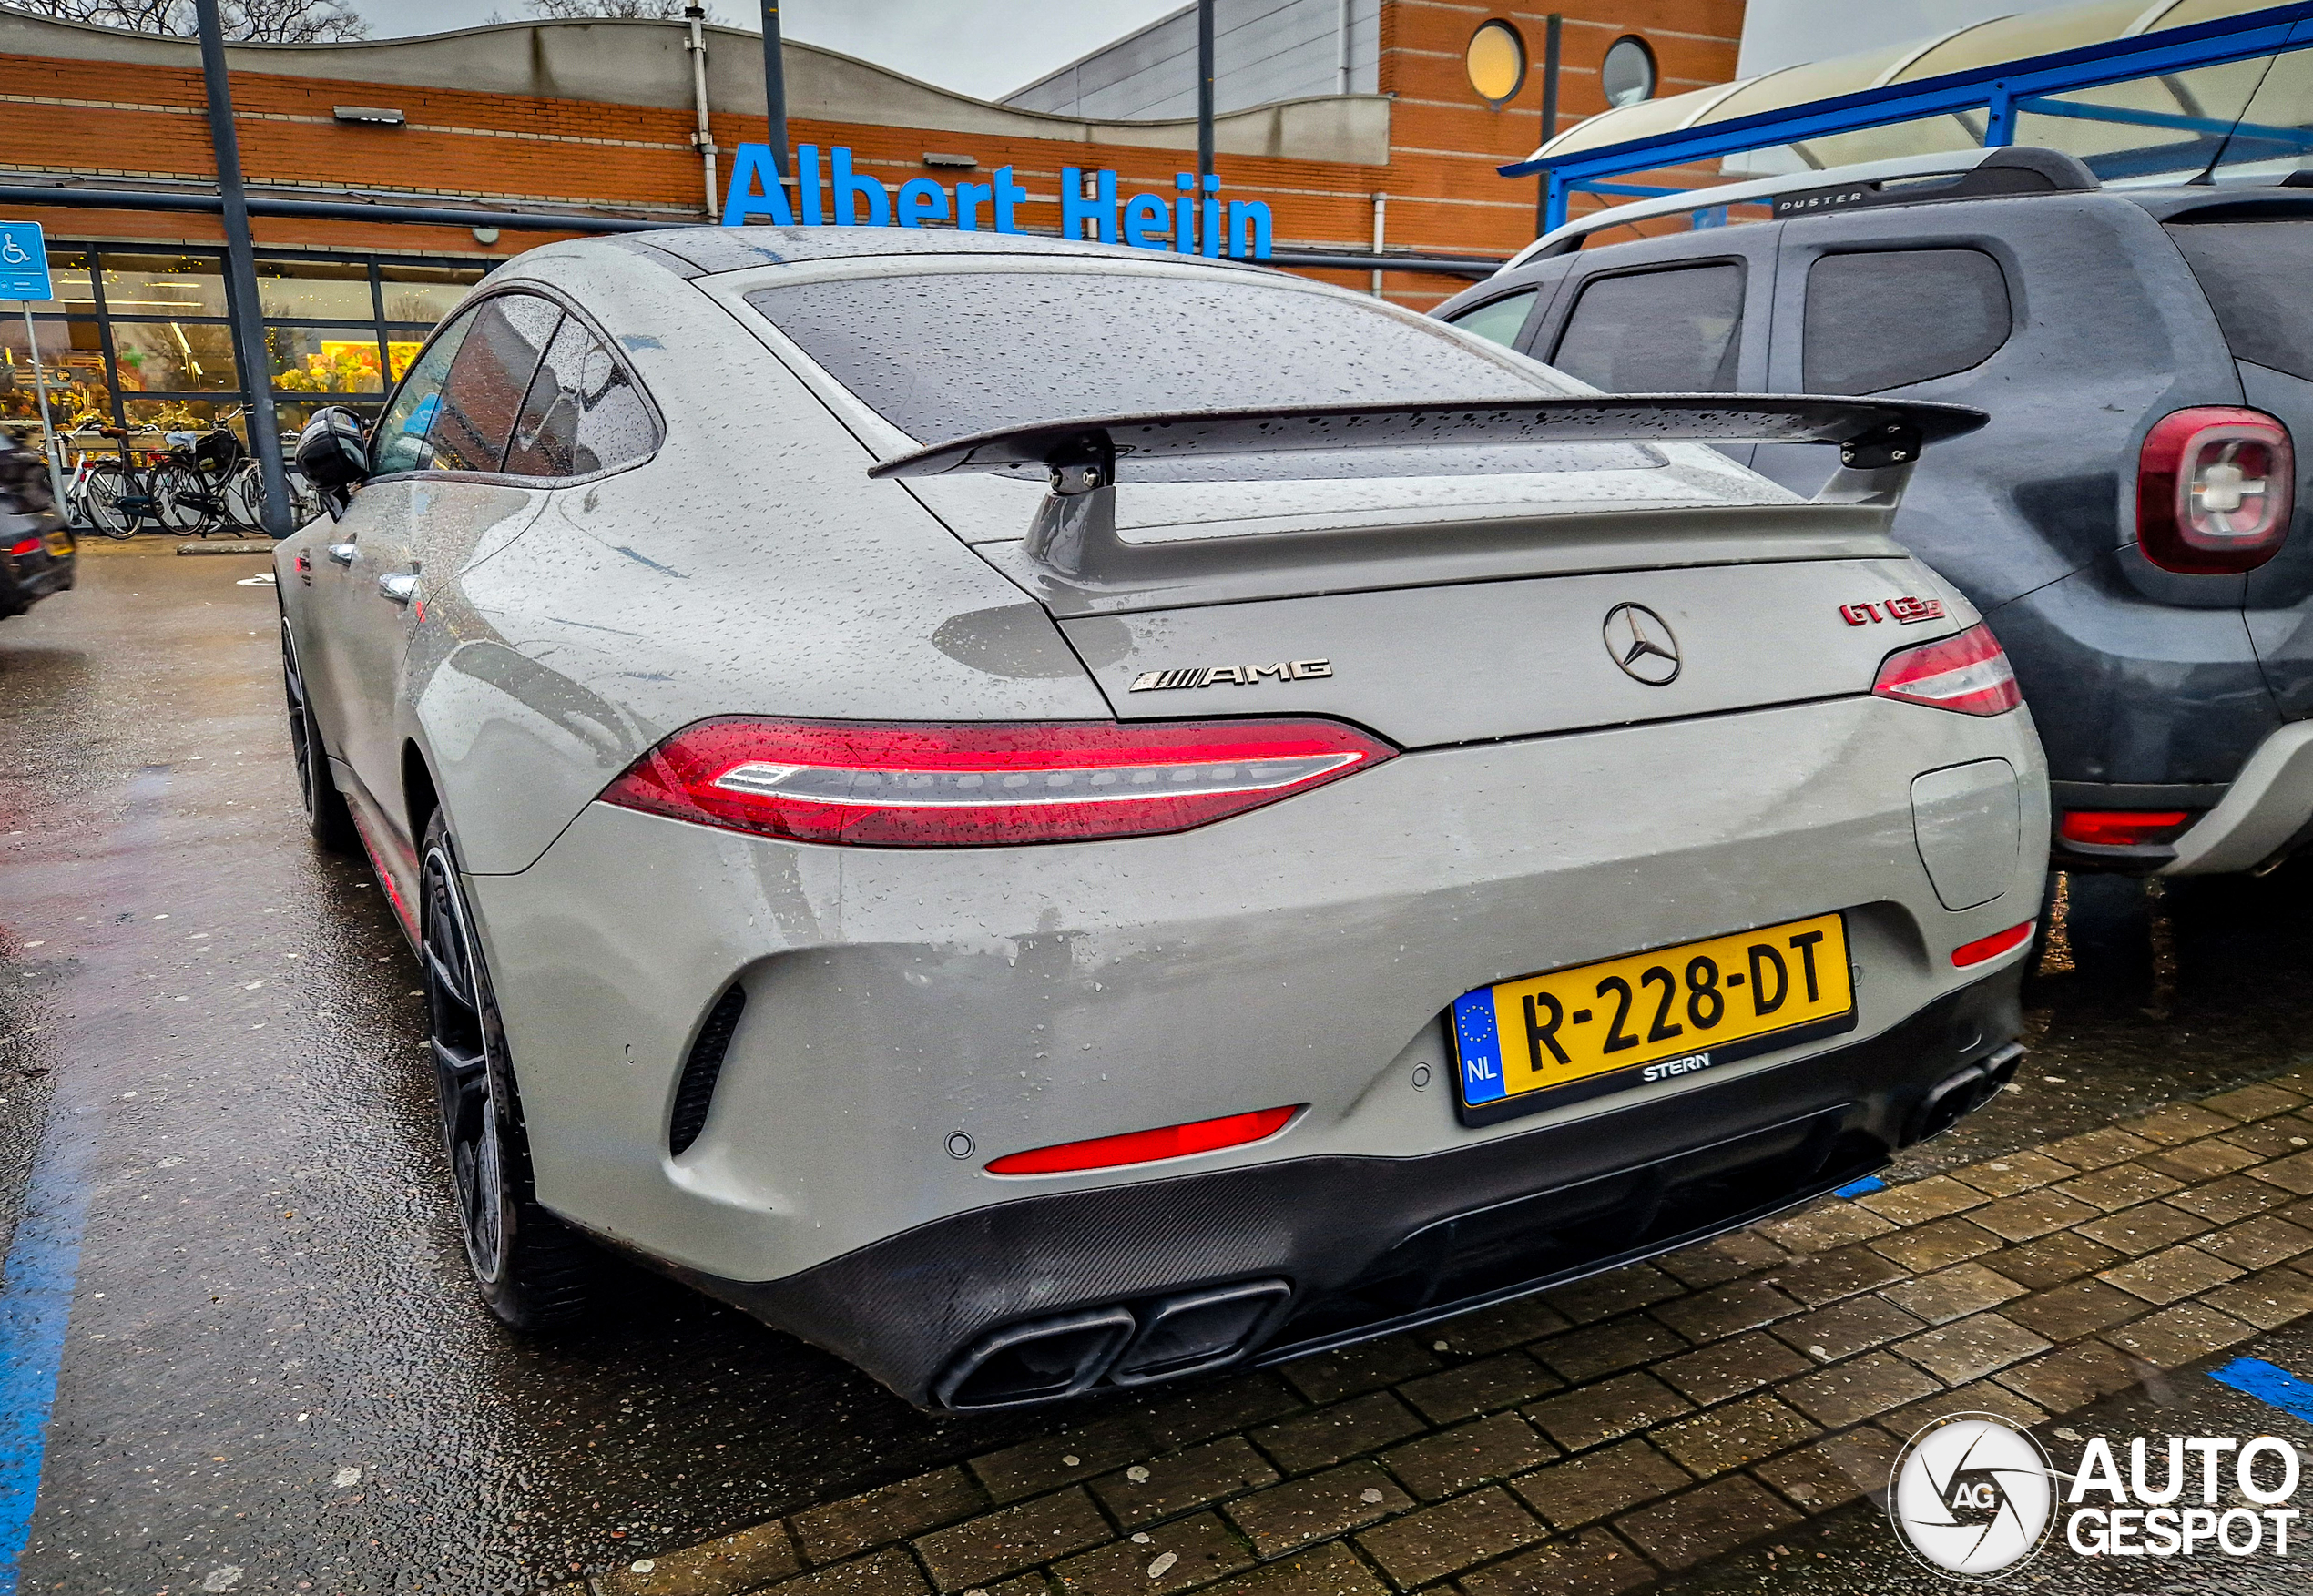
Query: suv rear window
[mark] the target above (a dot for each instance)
(941, 355)
(1670, 332)
(2255, 273)
(1890, 317)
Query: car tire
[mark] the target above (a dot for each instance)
(327, 818)
(535, 1272)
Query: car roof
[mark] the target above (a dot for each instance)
(702, 251)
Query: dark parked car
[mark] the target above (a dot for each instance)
(2125, 522)
(35, 547)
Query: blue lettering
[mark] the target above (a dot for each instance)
(1076, 210)
(920, 200)
(849, 186)
(807, 172)
(1248, 223)
(970, 197)
(755, 190)
(1143, 213)
(1211, 238)
(1008, 194)
(1185, 213)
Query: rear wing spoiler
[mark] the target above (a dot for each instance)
(1879, 443)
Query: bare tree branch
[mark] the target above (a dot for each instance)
(620, 10)
(269, 22)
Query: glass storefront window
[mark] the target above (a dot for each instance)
(425, 294)
(72, 360)
(174, 356)
(315, 290)
(325, 359)
(68, 270)
(292, 415)
(162, 285)
(402, 347)
(181, 414)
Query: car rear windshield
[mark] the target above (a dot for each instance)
(2255, 273)
(945, 354)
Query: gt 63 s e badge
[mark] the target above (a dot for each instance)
(1971, 1498)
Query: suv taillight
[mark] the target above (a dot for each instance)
(979, 785)
(2214, 488)
(1968, 673)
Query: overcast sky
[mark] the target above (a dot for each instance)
(984, 48)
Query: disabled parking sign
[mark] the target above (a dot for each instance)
(24, 262)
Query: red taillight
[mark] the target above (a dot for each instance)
(983, 785)
(30, 546)
(1145, 1146)
(1993, 946)
(2214, 488)
(1968, 673)
(2121, 827)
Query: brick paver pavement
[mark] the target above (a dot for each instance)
(1602, 1437)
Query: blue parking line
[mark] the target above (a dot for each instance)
(2270, 1384)
(1861, 1188)
(36, 1307)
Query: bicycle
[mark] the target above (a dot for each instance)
(114, 496)
(195, 481)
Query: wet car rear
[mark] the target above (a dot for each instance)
(37, 553)
(1072, 820)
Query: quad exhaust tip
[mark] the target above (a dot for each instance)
(1958, 1095)
(1049, 1359)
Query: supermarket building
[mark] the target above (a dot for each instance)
(1350, 124)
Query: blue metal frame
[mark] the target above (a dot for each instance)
(2003, 91)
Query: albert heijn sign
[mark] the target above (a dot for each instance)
(1184, 223)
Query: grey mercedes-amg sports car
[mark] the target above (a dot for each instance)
(1042, 817)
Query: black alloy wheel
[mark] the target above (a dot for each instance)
(326, 815)
(535, 1272)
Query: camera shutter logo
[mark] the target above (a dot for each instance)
(1971, 1497)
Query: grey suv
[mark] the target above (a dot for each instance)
(2123, 524)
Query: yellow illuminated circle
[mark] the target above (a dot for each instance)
(1497, 61)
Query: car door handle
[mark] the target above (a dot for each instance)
(401, 586)
(341, 552)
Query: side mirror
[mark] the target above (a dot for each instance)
(332, 456)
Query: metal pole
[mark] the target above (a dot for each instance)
(775, 85)
(1553, 27)
(241, 282)
(703, 137)
(1204, 91)
(1381, 210)
(48, 426)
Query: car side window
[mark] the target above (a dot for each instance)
(584, 412)
(487, 380)
(1675, 330)
(1498, 319)
(1890, 317)
(398, 443)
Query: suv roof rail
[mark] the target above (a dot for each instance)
(1911, 179)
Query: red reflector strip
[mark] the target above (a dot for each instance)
(1145, 1146)
(2121, 827)
(1993, 946)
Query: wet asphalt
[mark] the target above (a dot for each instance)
(211, 1075)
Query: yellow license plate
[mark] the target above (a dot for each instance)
(61, 544)
(1645, 1017)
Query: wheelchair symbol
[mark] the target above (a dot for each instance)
(11, 252)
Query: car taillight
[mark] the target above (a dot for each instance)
(2121, 827)
(1146, 1146)
(983, 785)
(2214, 488)
(30, 546)
(1968, 673)
(1988, 948)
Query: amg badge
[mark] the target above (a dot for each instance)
(1242, 676)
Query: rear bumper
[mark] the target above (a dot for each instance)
(2264, 817)
(1372, 1245)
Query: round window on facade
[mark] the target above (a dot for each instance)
(1497, 62)
(1627, 74)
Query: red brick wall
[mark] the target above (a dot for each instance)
(138, 123)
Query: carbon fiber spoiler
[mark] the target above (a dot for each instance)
(1871, 434)
(1074, 534)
